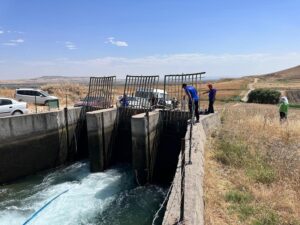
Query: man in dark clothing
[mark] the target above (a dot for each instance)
(192, 94)
(124, 101)
(211, 98)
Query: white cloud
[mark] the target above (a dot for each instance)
(112, 41)
(17, 41)
(14, 42)
(2, 31)
(216, 65)
(223, 65)
(70, 45)
(9, 44)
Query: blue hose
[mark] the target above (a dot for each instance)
(41, 209)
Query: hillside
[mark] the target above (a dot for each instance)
(47, 80)
(287, 81)
(287, 74)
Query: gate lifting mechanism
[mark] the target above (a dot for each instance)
(141, 92)
(101, 93)
(175, 96)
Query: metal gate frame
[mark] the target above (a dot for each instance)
(146, 84)
(101, 88)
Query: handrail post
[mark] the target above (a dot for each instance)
(181, 218)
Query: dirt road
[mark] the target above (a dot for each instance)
(251, 88)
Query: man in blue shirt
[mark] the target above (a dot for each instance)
(124, 101)
(192, 94)
(211, 98)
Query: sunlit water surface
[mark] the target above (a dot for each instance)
(110, 197)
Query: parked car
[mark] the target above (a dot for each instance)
(135, 102)
(97, 102)
(10, 106)
(31, 95)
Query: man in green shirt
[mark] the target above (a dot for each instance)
(283, 108)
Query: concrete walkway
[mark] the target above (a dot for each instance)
(193, 185)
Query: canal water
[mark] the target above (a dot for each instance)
(106, 198)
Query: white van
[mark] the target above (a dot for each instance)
(33, 96)
(162, 97)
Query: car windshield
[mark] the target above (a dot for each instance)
(44, 93)
(143, 93)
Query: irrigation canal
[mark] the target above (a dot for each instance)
(109, 197)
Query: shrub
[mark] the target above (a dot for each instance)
(265, 96)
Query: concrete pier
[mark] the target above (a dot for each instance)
(156, 144)
(145, 130)
(101, 127)
(109, 136)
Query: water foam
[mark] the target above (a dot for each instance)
(88, 195)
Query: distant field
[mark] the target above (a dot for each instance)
(68, 94)
(278, 84)
(229, 90)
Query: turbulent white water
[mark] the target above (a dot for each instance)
(92, 199)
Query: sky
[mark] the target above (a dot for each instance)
(229, 38)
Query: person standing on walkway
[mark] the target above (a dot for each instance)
(283, 108)
(192, 94)
(211, 98)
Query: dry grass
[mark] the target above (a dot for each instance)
(279, 85)
(68, 93)
(230, 89)
(6, 92)
(254, 155)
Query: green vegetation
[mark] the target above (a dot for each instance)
(235, 98)
(251, 182)
(265, 96)
(242, 204)
(238, 155)
(295, 106)
(262, 173)
(237, 196)
(232, 154)
(267, 218)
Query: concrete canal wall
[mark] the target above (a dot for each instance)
(34, 142)
(193, 207)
